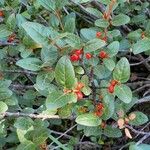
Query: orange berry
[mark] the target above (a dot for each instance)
(88, 56)
(98, 34)
(103, 54)
(1, 13)
(111, 89)
(99, 106)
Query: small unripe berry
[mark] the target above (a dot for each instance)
(79, 95)
(74, 57)
(98, 34)
(111, 89)
(103, 54)
(88, 56)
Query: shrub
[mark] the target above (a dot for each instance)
(64, 63)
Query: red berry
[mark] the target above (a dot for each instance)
(98, 34)
(99, 106)
(78, 51)
(79, 95)
(74, 57)
(79, 86)
(103, 54)
(1, 13)
(113, 82)
(111, 89)
(88, 56)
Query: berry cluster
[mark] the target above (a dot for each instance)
(76, 55)
(112, 85)
(99, 109)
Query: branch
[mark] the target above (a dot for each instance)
(142, 139)
(34, 116)
(19, 86)
(20, 71)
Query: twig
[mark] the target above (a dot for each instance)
(136, 131)
(142, 139)
(141, 62)
(141, 88)
(64, 133)
(143, 100)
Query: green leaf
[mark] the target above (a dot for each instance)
(112, 132)
(64, 73)
(94, 45)
(48, 4)
(58, 99)
(90, 131)
(39, 33)
(37, 136)
(33, 64)
(88, 33)
(141, 46)
(65, 111)
(70, 23)
(28, 145)
(4, 32)
(44, 79)
(139, 147)
(109, 63)
(89, 119)
(124, 93)
(49, 55)
(135, 35)
(140, 118)
(11, 22)
(122, 70)
(94, 12)
(120, 19)
(73, 40)
(109, 107)
(113, 48)
(3, 107)
(23, 123)
(101, 72)
(101, 23)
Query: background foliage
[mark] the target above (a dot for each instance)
(74, 74)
